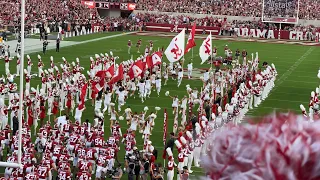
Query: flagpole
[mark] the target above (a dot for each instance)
(192, 54)
(21, 81)
(211, 51)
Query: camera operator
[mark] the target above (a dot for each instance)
(145, 164)
(117, 173)
(132, 164)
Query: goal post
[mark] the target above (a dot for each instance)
(280, 11)
(21, 85)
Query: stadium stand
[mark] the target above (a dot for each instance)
(308, 9)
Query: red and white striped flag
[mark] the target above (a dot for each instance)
(165, 122)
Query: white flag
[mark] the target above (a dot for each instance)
(175, 50)
(205, 50)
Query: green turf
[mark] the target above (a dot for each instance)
(295, 80)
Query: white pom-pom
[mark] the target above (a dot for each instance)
(77, 60)
(101, 115)
(96, 55)
(73, 63)
(302, 107)
(25, 71)
(121, 118)
(63, 58)
(127, 110)
(157, 108)
(106, 54)
(146, 108)
(91, 59)
(51, 58)
(28, 57)
(33, 89)
(18, 55)
(39, 57)
(312, 94)
(167, 93)
(187, 86)
(56, 68)
(61, 66)
(111, 53)
(112, 104)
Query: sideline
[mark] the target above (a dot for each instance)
(37, 47)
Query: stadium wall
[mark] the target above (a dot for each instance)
(243, 32)
(229, 18)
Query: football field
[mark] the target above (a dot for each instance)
(297, 67)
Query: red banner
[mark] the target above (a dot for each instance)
(178, 28)
(89, 4)
(241, 32)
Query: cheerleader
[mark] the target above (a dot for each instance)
(141, 86)
(174, 72)
(165, 74)
(128, 114)
(180, 76)
(147, 90)
(175, 104)
(42, 113)
(113, 114)
(133, 88)
(158, 85)
(134, 123)
(121, 98)
(153, 79)
(98, 104)
(142, 121)
(151, 122)
(107, 101)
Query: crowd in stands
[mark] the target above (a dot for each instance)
(308, 9)
(57, 13)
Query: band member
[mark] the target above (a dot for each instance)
(129, 47)
(138, 45)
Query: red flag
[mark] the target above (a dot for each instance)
(136, 69)
(98, 85)
(82, 96)
(110, 71)
(191, 43)
(165, 121)
(118, 76)
(156, 58)
(149, 63)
